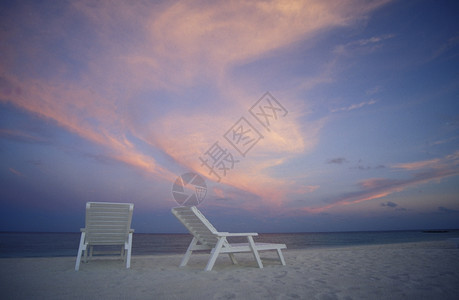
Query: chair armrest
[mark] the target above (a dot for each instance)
(131, 230)
(227, 234)
(82, 229)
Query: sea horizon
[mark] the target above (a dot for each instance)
(57, 244)
(434, 230)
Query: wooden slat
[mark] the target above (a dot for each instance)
(197, 224)
(107, 223)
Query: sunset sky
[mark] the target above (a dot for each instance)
(113, 100)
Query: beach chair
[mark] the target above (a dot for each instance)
(107, 224)
(206, 237)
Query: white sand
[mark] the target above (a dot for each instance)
(399, 271)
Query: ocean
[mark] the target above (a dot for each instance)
(15, 244)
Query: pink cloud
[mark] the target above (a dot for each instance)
(376, 188)
(87, 114)
(174, 46)
(418, 164)
(15, 172)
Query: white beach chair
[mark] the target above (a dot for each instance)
(107, 224)
(206, 237)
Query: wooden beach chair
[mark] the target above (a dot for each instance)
(107, 224)
(206, 237)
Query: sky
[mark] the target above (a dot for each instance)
(300, 116)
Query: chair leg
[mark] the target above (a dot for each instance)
(281, 257)
(81, 248)
(91, 252)
(123, 252)
(255, 251)
(233, 258)
(214, 254)
(129, 250)
(188, 252)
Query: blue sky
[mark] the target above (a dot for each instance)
(113, 100)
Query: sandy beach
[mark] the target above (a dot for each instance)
(396, 271)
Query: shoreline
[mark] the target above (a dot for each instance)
(422, 270)
(446, 243)
(66, 245)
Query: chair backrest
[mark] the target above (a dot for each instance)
(197, 224)
(108, 223)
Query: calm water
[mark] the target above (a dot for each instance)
(66, 244)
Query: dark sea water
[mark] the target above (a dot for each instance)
(13, 244)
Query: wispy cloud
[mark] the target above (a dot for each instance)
(389, 204)
(22, 136)
(362, 166)
(370, 168)
(355, 106)
(375, 39)
(373, 90)
(338, 160)
(87, 114)
(123, 83)
(418, 164)
(366, 45)
(443, 209)
(449, 161)
(359, 164)
(393, 205)
(15, 172)
(447, 48)
(444, 141)
(376, 188)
